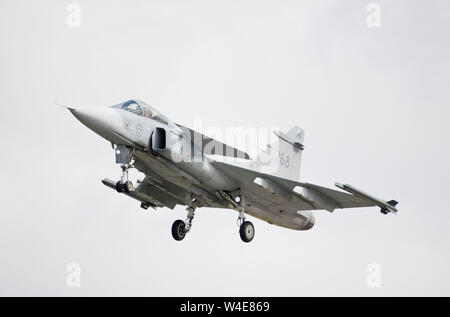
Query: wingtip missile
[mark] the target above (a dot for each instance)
(386, 206)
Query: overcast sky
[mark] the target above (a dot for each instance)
(374, 102)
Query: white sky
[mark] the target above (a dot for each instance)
(373, 102)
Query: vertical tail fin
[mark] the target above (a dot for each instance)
(286, 153)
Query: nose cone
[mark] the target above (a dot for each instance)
(98, 120)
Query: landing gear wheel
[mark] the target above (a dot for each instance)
(247, 231)
(119, 187)
(179, 230)
(128, 186)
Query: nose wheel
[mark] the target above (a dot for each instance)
(128, 187)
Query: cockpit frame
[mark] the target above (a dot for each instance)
(142, 109)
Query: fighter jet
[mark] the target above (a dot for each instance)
(185, 167)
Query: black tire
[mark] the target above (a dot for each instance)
(128, 187)
(179, 230)
(119, 187)
(247, 231)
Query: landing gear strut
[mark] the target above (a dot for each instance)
(124, 156)
(180, 227)
(246, 228)
(124, 185)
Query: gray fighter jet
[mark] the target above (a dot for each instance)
(185, 167)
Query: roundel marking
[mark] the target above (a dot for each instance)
(139, 130)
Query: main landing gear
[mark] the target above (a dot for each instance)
(246, 228)
(180, 227)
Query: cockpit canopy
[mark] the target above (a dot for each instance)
(142, 109)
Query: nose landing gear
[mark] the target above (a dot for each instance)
(124, 156)
(124, 185)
